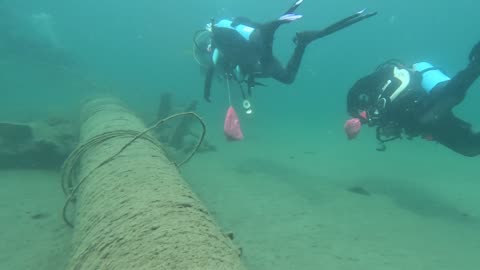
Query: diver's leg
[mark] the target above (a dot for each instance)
(304, 38)
(288, 74)
(444, 97)
(457, 135)
(268, 29)
(458, 86)
(474, 55)
(273, 67)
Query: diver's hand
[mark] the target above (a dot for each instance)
(475, 54)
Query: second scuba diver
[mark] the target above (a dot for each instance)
(415, 101)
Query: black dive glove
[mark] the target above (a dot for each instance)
(475, 54)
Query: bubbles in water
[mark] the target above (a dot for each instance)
(392, 19)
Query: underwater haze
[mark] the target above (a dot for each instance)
(296, 192)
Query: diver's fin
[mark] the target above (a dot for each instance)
(290, 17)
(292, 9)
(304, 38)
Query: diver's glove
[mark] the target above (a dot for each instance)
(475, 54)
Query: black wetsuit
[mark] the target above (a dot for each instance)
(438, 120)
(255, 56)
(420, 113)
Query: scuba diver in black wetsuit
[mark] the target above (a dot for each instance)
(417, 101)
(242, 49)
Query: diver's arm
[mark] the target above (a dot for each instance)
(208, 83)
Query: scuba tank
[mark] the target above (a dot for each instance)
(244, 30)
(431, 76)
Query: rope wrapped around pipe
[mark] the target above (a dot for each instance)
(133, 210)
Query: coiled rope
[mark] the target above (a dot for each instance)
(69, 167)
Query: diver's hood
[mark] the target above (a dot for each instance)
(201, 48)
(377, 90)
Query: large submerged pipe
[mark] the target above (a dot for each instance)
(136, 211)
